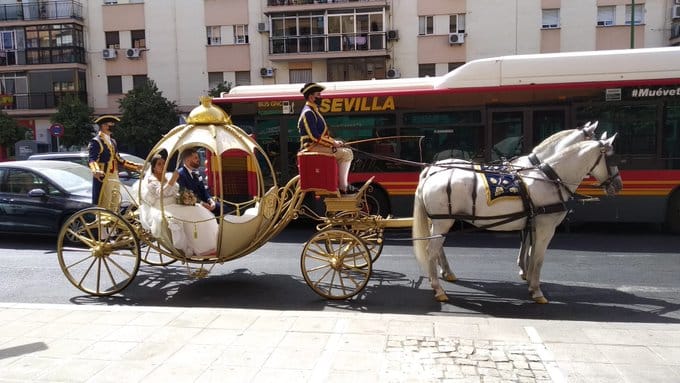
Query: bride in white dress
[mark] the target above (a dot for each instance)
(192, 227)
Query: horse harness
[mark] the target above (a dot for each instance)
(530, 211)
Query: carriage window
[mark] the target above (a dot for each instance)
(671, 137)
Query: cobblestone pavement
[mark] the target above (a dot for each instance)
(429, 359)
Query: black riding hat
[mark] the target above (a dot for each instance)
(310, 88)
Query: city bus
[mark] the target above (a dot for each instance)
(493, 109)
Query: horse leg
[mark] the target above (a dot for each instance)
(435, 247)
(536, 257)
(524, 247)
(446, 273)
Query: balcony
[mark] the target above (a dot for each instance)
(43, 10)
(47, 100)
(301, 5)
(327, 46)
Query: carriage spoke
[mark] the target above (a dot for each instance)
(89, 268)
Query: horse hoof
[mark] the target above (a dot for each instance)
(524, 277)
(451, 278)
(441, 297)
(540, 300)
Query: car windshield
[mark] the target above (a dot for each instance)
(75, 180)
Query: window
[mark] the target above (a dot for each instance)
(138, 80)
(457, 23)
(112, 40)
(551, 19)
(115, 84)
(215, 79)
(242, 77)
(606, 16)
(138, 38)
(302, 76)
(241, 34)
(453, 66)
(425, 25)
(426, 70)
(639, 14)
(214, 37)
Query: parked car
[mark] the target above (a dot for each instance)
(38, 196)
(126, 177)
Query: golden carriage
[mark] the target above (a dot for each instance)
(100, 248)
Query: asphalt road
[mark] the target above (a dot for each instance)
(593, 274)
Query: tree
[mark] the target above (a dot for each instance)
(217, 90)
(146, 117)
(76, 117)
(10, 132)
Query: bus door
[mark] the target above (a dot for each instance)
(515, 132)
(280, 139)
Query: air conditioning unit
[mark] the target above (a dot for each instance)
(109, 54)
(456, 38)
(675, 12)
(393, 73)
(267, 72)
(263, 27)
(677, 2)
(392, 35)
(110, 2)
(133, 53)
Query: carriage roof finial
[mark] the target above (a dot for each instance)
(207, 113)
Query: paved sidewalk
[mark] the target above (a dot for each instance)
(70, 343)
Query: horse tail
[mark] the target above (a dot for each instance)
(420, 229)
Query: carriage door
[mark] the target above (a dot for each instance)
(507, 134)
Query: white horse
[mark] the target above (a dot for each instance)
(447, 193)
(549, 146)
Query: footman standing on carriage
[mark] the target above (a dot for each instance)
(314, 135)
(104, 161)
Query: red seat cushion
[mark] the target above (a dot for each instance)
(318, 172)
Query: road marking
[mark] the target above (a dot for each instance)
(546, 355)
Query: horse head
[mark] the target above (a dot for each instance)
(606, 170)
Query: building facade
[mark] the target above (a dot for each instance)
(100, 49)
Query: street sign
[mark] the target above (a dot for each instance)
(57, 130)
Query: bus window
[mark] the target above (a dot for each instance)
(506, 134)
(636, 128)
(546, 123)
(671, 136)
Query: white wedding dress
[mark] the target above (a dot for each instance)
(193, 228)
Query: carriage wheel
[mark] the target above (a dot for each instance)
(103, 257)
(336, 264)
(155, 254)
(372, 237)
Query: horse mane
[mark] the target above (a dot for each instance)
(552, 139)
(571, 150)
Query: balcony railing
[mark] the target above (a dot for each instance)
(272, 3)
(327, 43)
(48, 100)
(43, 10)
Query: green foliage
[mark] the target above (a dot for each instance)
(146, 117)
(76, 116)
(10, 132)
(216, 91)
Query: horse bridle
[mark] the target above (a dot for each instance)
(610, 161)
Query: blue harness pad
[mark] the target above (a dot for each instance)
(500, 183)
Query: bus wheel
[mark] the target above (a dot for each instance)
(673, 213)
(377, 202)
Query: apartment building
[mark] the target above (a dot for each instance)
(100, 49)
